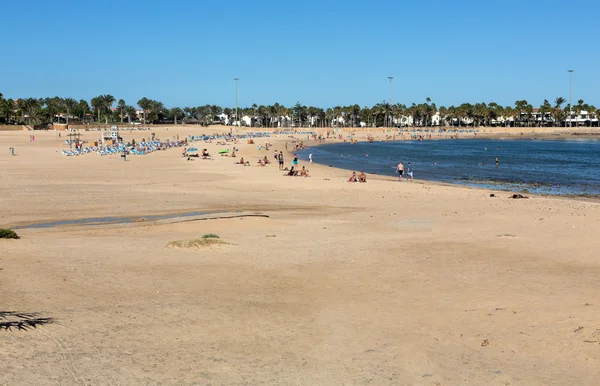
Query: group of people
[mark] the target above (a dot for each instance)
(400, 171)
(294, 172)
(362, 177)
(204, 154)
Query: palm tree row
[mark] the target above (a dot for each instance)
(100, 110)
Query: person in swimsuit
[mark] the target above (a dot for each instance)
(400, 170)
(362, 177)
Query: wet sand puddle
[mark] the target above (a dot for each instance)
(119, 220)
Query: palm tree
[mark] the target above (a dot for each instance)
(520, 107)
(428, 111)
(69, 104)
(82, 109)
(398, 110)
(4, 109)
(443, 115)
(177, 112)
(97, 103)
(329, 115)
(337, 114)
(130, 112)
(122, 106)
(32, 109)
(53, 106)
(107, 102)
(508, 112)
(491, 113)
(545, 108)
(157, 111)
(528, 113)
(578, 109)
(144, 104)
(558, 112)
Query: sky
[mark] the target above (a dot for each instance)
(321, 53)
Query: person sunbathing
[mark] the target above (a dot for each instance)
(303, 172)
(292, 172)
(362, 177)
(353, 178)
(205, 153)
(266, 161)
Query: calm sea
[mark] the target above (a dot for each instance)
(539, 166)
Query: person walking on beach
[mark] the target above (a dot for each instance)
(310, 158)
(280, 159)
(400, 170)
(409, 171)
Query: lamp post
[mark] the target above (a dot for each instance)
(570, 98)
(236, 100)
(390, 78)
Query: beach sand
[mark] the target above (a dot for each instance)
(383, 283)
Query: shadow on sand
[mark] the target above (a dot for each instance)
(22, 320)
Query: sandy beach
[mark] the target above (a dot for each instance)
(383, 283)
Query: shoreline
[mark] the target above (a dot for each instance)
(502, 186)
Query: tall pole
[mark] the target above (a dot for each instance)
(236, 100)
(570, 98)
(390, 78)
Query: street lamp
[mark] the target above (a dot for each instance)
(390, 78)
(236, 100)
(570, 98)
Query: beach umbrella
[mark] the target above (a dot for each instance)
(192, 149)
(223, 151)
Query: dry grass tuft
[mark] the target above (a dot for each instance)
(195, 243)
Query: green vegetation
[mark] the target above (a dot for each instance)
(196, 243)
(8, 234)
(210, 236)
(101, 109)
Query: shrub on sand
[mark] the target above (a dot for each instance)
(210, 236)
(8, 234)
(196, 243)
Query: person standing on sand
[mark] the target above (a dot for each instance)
(409, 171)
(400, 170)
(280, 159)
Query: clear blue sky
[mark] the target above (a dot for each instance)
(323, 53)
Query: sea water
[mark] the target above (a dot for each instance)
(570, 166)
